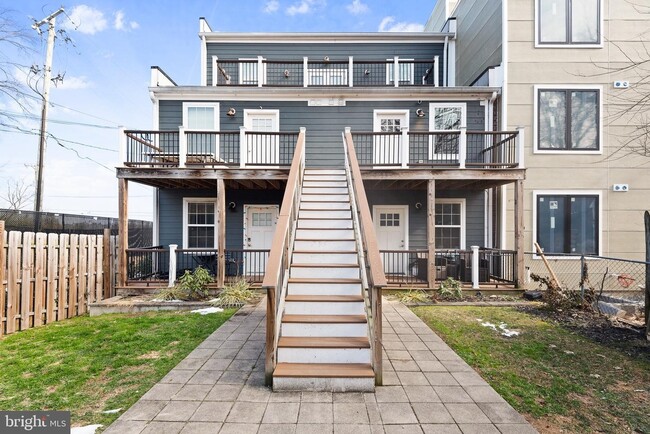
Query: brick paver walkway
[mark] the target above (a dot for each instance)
(219, 388)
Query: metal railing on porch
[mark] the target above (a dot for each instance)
(410, 267)
(153, 264)
(182, 148)
(449, 148)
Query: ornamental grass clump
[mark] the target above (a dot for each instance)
(235, 294)
(414, 296)
(450, 288)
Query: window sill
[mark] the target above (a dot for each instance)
(578, 46)
(566, 152)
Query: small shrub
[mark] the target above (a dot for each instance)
(414, 296)
(235, 294)
(195, 284)
(450, 288)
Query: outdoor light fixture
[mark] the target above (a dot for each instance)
(231, 112)
(286, 73)
(418, 205)
(232, 206)
(326, 59)
(420, 113)
(366, 72)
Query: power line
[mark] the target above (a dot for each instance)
(60, 121)
(32, 132)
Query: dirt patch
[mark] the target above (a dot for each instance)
(149, 356)
(598, 328)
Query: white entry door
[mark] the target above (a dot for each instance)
(387, 148)
(262, 149)
(391, 226)
(259, 227)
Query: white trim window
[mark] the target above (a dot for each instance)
(446, 117)
(450, 223)
(564, 23)
(201, 116)
(406, 71)
(199, 223)
(568, 119)
(567, 222)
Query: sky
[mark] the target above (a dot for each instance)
(105, 64)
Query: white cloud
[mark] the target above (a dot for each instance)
(388, 24)
(119, 20)
(304, 7)
(357, 8)
(74, 83)
(86, 20)
(271, 6)
(121, 24)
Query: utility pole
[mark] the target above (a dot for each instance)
(50, 20)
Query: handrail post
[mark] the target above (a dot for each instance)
(462, 147)
(172, 264)
(350, 71)
(243, 148)
(303, 132)
(396, 71)
(122, 145)
(182, 147)
(520, 147)
(405, 147)
(475, 266)
(215, 70)
(436, 71)
(305, 71)
(260, 71)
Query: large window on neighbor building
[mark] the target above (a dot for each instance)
(450, 224)
(567, 223)
(568, 119)
(199, 223)
(568, 22)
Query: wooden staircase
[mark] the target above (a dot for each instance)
(324, 339)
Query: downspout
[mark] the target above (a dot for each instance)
(444, 59)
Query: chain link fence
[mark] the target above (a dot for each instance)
(140, 231)
(616, 282)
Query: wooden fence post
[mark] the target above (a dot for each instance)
(3, 262)
(40, 276)
(52, 267)
(13, 290)
(106, 264)
(63, 292)
(73, 304)
(26, 280)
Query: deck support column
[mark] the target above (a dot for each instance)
(123, 230)
(519, 233)
(431, 233)
(221, 232)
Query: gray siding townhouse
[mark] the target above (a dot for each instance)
(432, 157)
(325, 166)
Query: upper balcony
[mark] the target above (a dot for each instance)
(326, 72)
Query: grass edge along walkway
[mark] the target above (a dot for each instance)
(557, 378)
(88, 365)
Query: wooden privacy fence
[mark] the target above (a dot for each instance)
(51, 277)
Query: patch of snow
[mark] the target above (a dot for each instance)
(88, 429)
(160, 300)
(208, 310)
(503, 327)
(490, 325)
(568, 352)
(117, 410)
(214, 300)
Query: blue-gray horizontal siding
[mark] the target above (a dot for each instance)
(170, 214)
(324, 125)
(335, 52)
(474, 212)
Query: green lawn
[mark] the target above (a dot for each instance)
(560, 379)
(88, 365)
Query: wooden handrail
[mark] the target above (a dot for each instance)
(143, 142)
(278, 256)
(377, 275)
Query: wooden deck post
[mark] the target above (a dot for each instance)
(431, 233)
(106, 264)
(123, 230)
(519, 232)
(221, 233)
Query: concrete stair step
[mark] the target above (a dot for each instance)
(325, 190)
(325, 198)
(325, 377)
(325, 234)
(325, 223)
